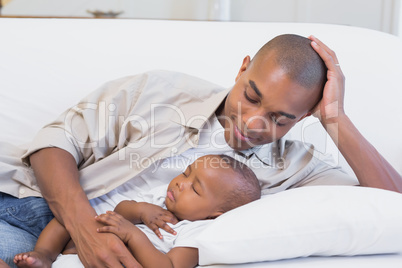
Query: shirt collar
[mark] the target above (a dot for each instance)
(269, 154)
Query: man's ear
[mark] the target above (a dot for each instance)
(304, 116)
(243, 67)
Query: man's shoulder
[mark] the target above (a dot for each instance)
(183, 81)
(174, 75)
(163, 82)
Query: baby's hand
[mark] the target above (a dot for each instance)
(116, 224)
(156, 217)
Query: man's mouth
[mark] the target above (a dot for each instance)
(240, 136)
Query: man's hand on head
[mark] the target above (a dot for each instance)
(330, 108)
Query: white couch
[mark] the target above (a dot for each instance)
(47, 65)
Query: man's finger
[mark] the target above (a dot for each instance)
(327, 58)
(324, 46)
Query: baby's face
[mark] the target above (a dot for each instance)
(197, 193)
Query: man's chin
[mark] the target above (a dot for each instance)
(241, 145)
(239, 142)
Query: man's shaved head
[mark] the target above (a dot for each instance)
(294, 54)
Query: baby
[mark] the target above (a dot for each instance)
(209, 187)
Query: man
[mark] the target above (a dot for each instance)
(159, 119)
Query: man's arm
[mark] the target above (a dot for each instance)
(371, 169)
(142, 248)
(58, 178)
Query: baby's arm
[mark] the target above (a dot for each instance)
(142, 249)
(151, 215)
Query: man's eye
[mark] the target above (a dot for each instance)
(248, 98)
(275, 120)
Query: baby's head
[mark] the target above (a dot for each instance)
(211, 186)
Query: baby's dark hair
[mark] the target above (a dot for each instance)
(246, 185)
(294, 54)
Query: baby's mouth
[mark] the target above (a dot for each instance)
(170, 195)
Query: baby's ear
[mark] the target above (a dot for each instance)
(215, 215)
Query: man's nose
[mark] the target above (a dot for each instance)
(255, 121)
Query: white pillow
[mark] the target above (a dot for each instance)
(316, 220)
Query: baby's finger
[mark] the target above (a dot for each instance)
(106, 229)
(158, 233)
(168, 229)
(114, 214)
(106, 219)
(155, 229)
(170, 218)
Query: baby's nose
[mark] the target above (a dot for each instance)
(183, 185)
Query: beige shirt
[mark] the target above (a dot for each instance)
(119, 130)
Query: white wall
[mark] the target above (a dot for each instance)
(151, 9)
(400, 20)
(382, 15)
